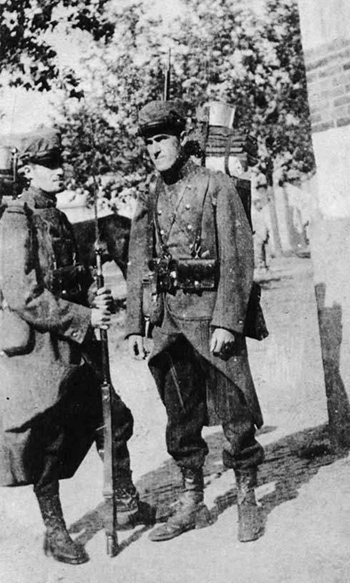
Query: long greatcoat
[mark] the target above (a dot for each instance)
(37, 374)
(209, 201)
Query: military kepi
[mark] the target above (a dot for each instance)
(42, 146)
(159, 116)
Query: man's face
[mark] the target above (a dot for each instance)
(164, 150)
(48, 178)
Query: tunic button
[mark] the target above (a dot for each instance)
(74, 334)
(187, 206)
(162, 231)
(189, 227)
(159, 212)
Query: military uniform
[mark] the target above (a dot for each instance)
(198, 213)
(51, 407)
(181, 341)
(50, 378)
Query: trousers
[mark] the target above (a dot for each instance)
(63, 435)
(181, 375)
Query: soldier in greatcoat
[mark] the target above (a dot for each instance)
(193, 233)
(50, 401)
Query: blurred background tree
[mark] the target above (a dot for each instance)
(221, 49)
(27, 54)
(253, 61)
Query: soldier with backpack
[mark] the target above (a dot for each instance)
(50, 398)
(190, 280)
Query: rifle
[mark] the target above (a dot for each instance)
(167, 78)
(110, 519)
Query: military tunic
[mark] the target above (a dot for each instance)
(50, 402)
(199, 201)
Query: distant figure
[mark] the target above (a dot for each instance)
(261, 235)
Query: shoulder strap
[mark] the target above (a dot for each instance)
(151, 204)
(153, 223)
(198, 235)
(227, 153)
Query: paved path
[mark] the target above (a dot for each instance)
(303, 488)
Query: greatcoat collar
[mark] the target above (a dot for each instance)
(39, 199)
(182, 170)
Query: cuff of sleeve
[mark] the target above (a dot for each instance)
(81, 328)
(236, 326)
(89, 335)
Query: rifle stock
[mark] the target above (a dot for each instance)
(110, 519)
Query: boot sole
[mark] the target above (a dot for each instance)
(252, 538)
(170, 535)
(202, 520)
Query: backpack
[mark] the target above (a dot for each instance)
(16, 335)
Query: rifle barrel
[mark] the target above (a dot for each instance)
(110, 519)
(167, 78)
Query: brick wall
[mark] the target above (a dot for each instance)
(328, 78)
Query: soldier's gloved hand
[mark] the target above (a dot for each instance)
(137, 348)
(101, 318)
(222, 343)
(103, 299)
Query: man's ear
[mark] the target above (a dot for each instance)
(27, 171)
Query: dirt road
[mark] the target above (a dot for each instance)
(303, 489)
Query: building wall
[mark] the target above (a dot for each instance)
(323, 22)
(328, 77)
(325, 29)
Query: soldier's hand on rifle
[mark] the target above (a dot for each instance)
(103, 299)
(101, 309)
(100, 318)
(137, 347)
(222, 343)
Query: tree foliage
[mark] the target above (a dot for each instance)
(26, 53)
(221, 49)
(100, 129)
(255, 62)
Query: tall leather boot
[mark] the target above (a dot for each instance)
(57, 543)
(191, 512)
(250, 523)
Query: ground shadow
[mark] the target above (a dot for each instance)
(290, 462)
(331, 335)
(93, 521)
